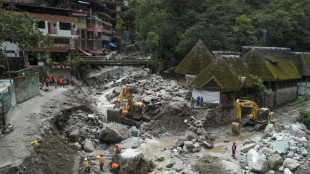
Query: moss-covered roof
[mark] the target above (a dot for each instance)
(196, 60)
(302, 62)
(225, 71)
(271, 68)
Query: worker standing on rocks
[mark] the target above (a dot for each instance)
(192, 101)
(234, 148)
(198, 99)
(101, 161)
(114, 168)
(201, 98)
(118, 149)
(87, 168)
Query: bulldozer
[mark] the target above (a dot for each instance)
(258, 117)
(130, 114)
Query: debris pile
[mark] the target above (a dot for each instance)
(285, 151)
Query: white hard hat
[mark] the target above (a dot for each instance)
(246, 167)
(85, 159)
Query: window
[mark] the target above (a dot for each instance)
(80, 20)
(41, 24)
(107, 34)
(64, 26)
(107, 27)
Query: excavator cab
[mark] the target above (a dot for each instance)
(139, 109)
(263, 114)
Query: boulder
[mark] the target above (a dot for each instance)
(274, 161)
(281, 146)
(247, 147)
(287, 171)
(114, 133)
(269, 130)
(290, 163)
(304, 152)
(267, 151)
(88, 146)
(189, 144)
(133, 161)
(208, 144)
(256, 162)
(132, 142)
(76, 146)
(75, 135)
(191, 135)
(297, 130)
(180, 141)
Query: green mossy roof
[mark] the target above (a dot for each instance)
(270, 68)
(305, 61)
(196, 60)
(225, 71)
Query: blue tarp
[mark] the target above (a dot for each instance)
(112, 44)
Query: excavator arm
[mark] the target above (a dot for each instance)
(236, 126)
(125, 93)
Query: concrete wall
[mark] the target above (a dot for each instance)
(11, 48)
(26, 87)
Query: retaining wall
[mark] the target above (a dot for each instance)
(285, 95)
(26, 87)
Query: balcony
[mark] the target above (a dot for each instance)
(66, 46)
(107, 31)
(73, 32)
(94, 27)
(53, 31)
(108, 38)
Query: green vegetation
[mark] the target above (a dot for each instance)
(221, 25)
(81, 66)
(305, 117)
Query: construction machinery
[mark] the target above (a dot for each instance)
(130, 114)
(258, 117)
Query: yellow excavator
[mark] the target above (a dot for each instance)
(130, 114)
(258, 115)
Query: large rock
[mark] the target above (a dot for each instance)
(297, 130)
(269, 130)
(132, 142)
(75, 135)
(290, 163)
(287, 171)
(208, 144)
(274, 161)
(256, 162)
(114, 133)
(88, 146)
(191, 135)
(247, 147)
(180, 141)
(189, 144)
(281, 146)
(133, 161)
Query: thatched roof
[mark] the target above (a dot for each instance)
(196, 60)
(225, 72)
(271, 68)
(302, 63)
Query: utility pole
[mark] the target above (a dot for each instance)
(7, 63)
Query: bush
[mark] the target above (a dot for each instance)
(305, 117)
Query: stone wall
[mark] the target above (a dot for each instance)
(285, 95)
(26, 87)
(268, 98)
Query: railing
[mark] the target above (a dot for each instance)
(107, 31)
(53, 31)
(59, 65)
(94, 27)
(66, 46)
(105, 37)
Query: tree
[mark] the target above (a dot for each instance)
(152, 44)
(20, 28)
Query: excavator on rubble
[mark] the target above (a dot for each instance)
(131, 113)
(258, 117)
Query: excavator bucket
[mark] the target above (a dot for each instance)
(235, 127)
(114, 115)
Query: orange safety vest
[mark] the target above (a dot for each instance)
(61, 81)
(101, 160)
(114, 166)
(50, 78)
(234, 147)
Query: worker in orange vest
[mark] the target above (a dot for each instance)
(114, 168)
(234, 148)
(101, 161)
(61, 82)
(118, 149)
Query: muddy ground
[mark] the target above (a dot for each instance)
(51, 116)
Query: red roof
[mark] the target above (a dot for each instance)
(86, 53)
(95, 51)
(54, 17)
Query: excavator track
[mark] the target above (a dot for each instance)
(130, 121)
